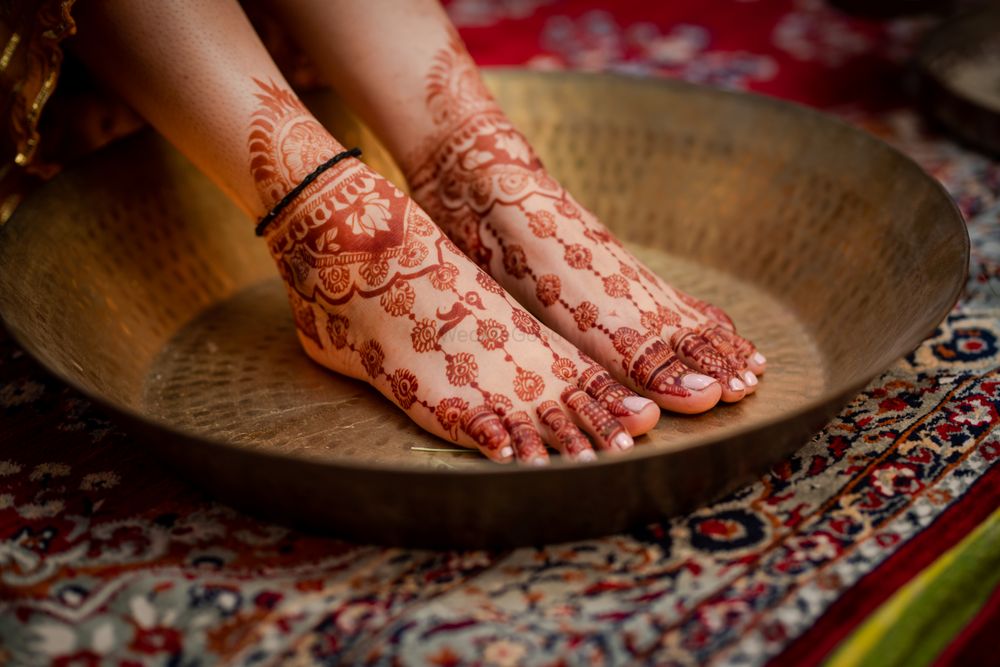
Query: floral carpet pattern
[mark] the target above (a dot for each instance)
(106, 559)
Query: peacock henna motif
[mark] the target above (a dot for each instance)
(528, 385)
(564, 369)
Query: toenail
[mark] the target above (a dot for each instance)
(506, 452)
(636, 404)
(538, 461)
(758, 358)
(697, 382)
(623, 441)
(736, 384)
(750, 378)
(586, 455)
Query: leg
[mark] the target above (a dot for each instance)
(479, 179)
(377, 291)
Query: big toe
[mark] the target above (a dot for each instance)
(642, 415)
(654, 370)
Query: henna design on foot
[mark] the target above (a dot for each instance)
(482, 182)
(380, 294)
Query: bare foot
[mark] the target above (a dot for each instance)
(480, 180)
(380, 294)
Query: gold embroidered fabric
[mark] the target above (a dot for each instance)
(31, 32)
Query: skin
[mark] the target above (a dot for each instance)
(478, 178)
(377, 291)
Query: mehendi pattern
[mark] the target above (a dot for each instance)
(361, 260)
(481, 181)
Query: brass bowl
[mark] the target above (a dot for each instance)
(136, 281)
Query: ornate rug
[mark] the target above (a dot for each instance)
(877, 543)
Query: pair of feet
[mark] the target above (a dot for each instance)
(380, 293)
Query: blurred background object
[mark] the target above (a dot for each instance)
(958, 77)
(883, 9)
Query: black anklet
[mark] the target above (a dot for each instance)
(294, 192)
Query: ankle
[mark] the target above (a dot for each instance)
(319, 204)
(477, 160)
(285, 143)
(348, 227)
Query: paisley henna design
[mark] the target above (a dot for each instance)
(424, 335)
(491, 334)
(616, 285)
(404, 385)
(585, 315)
(525, 323)
(481, 181)
(487, 282)
(564, 369)
(548, 288)
(443, 278)
(462, 369)
(528, 385)
(372, 357)
(514, 261)
(379, 293)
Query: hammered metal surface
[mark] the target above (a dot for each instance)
(147, 290)
(237, 373)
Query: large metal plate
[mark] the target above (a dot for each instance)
(146, 289)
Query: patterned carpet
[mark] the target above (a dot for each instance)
(877, 543)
